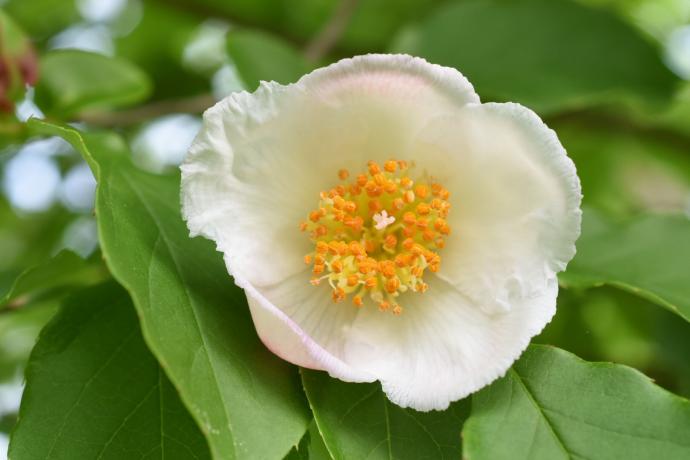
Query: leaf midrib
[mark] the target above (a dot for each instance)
(534, 402)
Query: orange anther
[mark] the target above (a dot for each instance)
(408, 196)
(307, 259)
(314, 216)
(405, 181)
(350, 206)
(361, 180)
(390, 241)
(338, 295)
(374, 168)
(409, 218)
(352, 280)
(390, 187)
(392, 285)
(369, 246)
(390, 165)
(423, 209)
(321, 247)
(371, 283)
(357, 300)
(422, 223)
(409, 231)
(398, 204)
(387, 268)
(318, 269)
(343, 174)
(397, 310)
(338, 202)
(374, 206)
(421, 191)
(337, 266)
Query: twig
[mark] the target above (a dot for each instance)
(594, 120)
(194, 104)
(331, 32)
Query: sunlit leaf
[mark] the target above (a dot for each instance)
(552, 405)
(95, 391)
(259, 56)
(196, 321)
(72, 81)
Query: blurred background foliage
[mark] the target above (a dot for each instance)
(610, 76)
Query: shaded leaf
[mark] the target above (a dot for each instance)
(65, 269)
(196, 321)
(356, 420)
(547, 54)
(647, 256)
(95, 391)
(553, 405)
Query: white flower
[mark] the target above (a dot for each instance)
(413, 198)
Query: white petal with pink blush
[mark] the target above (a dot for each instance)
(385, 224)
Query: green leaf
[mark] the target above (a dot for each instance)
(553, 405)
(65, 269)
(358, 421)
(259, 56)
(95, 391)
(547, 54)
(247, 401)
(647, 256)
(18, 332)
(72, 81)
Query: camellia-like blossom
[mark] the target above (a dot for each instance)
(385, 224)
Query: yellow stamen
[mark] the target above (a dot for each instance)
(359, 255)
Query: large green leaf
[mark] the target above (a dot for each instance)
(358, 421)
(548, 54)
(247, 401)
(647, 256)
(65, 269)
(259, 56)
(552, 405)
(95, 391)
(72, 81)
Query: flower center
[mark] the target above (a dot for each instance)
(376, 235)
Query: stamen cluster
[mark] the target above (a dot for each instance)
(376, 235)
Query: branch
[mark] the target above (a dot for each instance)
(609, 122)
(194, 104)
(331, 32)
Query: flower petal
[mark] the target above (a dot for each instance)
(309, 331)
(261, 159)
(443, 347)
(515, 197)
